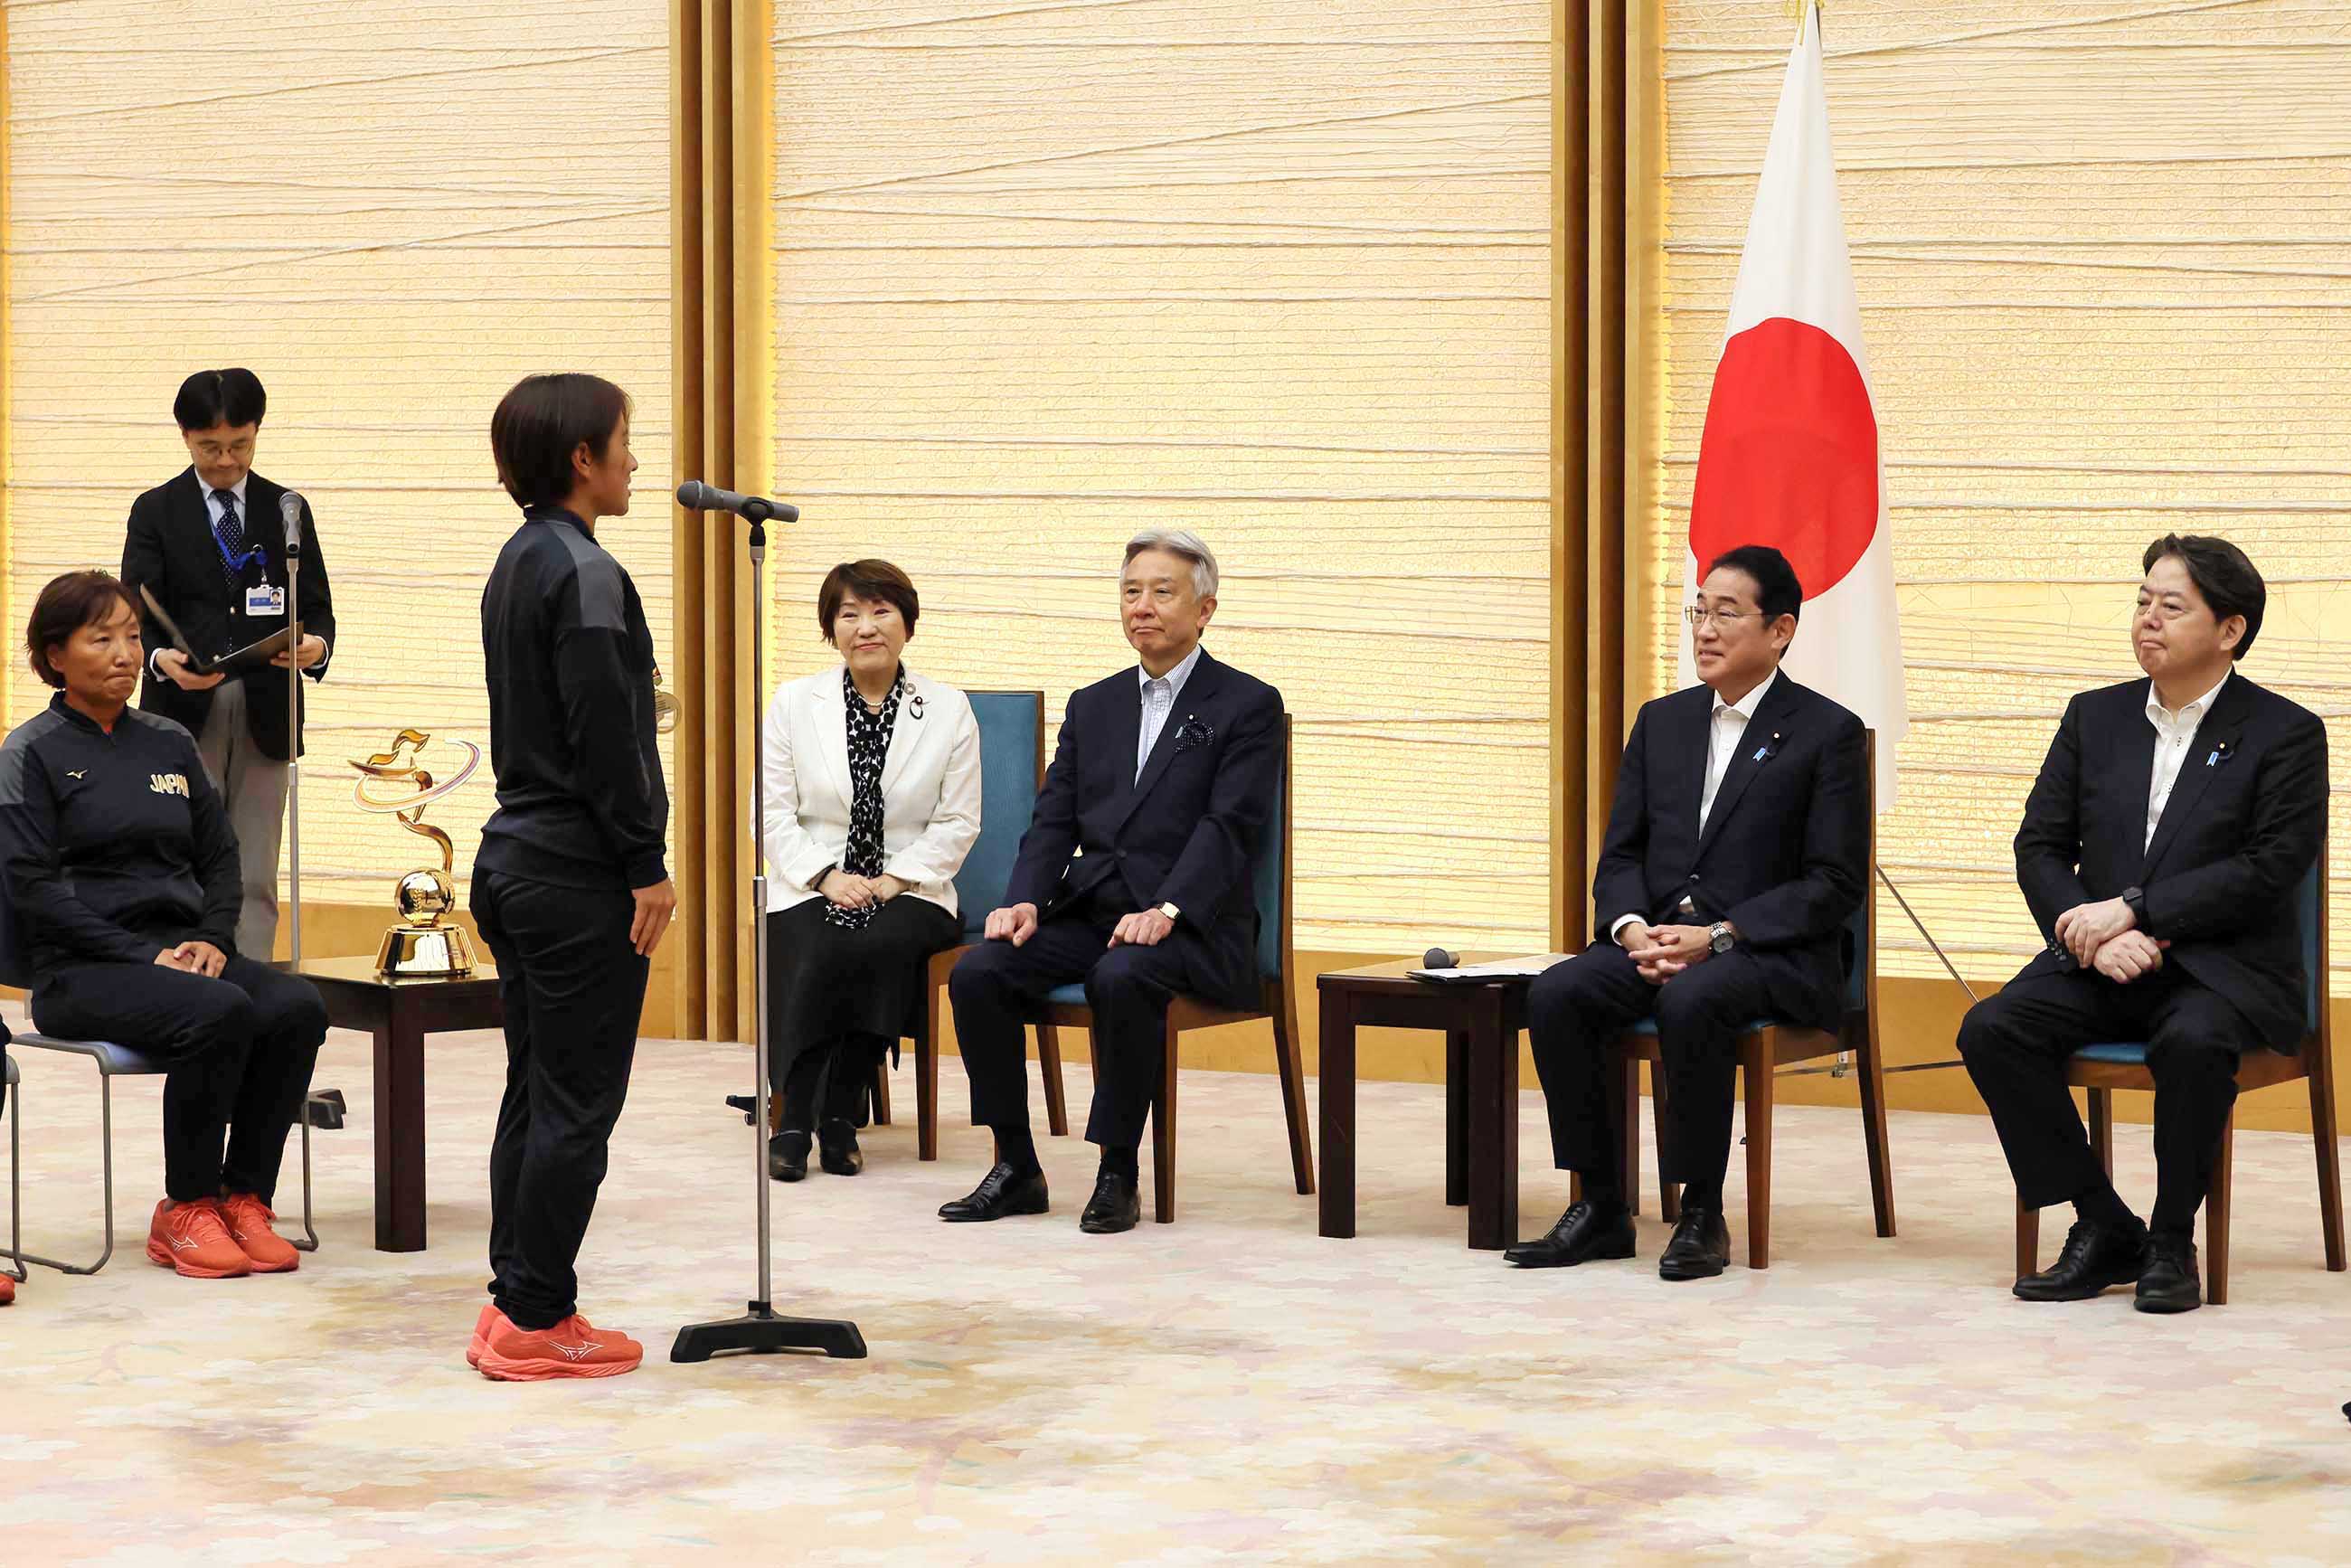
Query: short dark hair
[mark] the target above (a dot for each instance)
(68, 603)
(541, 421)
(230, 397)
(2222, 573)
(872, 580)
(1777, 592)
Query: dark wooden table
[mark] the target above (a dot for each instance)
(1480, 1023)
(400, 1014)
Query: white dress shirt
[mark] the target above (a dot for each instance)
(1722, 739)
(2175, 736)
(1159, 697)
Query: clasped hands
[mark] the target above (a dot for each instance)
(850, 891)
(1661, 952)
(194, 959)
(1017, 923)
(2106, 936)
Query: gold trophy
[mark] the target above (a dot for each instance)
(420, 946)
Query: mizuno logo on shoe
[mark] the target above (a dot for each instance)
(573, 1351)
(182, 1243)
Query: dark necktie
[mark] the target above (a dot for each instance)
(231, 532)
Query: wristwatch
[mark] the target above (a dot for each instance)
(2135, 900)
(1720, 937)
(1170, 911)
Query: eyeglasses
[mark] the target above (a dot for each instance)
(1699, 615)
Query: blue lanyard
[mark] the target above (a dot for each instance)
(235, 562)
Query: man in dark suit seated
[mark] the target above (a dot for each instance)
(1737, 849)
(2162, 846)
(1134, 877)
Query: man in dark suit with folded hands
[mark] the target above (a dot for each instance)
(1737, 849)
(1134, 877)
(2162, 846)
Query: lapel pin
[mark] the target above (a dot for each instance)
(915, 706)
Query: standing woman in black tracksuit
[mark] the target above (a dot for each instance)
(570, 887)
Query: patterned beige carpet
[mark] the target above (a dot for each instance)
(1231, 1388)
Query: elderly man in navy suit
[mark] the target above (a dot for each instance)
(1134, 877)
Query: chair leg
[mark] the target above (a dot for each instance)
(1879, 1149)
(1758, 1073)
(1162, 1138)
(106, 1167)
(1049, 1068)
(2028, 1239)
(2330, 1166)
(1670, 1194)
(309, 1242)
(927, 1072)
(882, 1091)
(15, 1187)
(1293, 1090)
(2101, 1128)
(2216, 1218)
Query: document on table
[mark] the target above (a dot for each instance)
(1497, 969)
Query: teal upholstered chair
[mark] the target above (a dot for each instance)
(1278, 1002)
(2103, 1068)
(1011, 767)
(1766, 1046)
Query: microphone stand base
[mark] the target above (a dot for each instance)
(759, 1331)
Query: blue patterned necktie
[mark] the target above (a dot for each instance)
(231, 533)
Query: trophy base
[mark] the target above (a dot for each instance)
(425, 952)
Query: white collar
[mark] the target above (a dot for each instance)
(1745, 706)
(2202, 707)
(1174, 677)
(237, 490)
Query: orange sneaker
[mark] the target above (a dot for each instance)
(571, 1349)
(191, 1239)
(248, 1219)
(7, 1289)
(481, 1336)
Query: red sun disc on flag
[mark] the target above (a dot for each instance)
(1790, 454)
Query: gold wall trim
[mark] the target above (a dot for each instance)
(721, 92)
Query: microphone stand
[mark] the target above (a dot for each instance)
(759, 1331)
(294, 737)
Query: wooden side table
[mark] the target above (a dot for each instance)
(400, 1014)
(1481, 1024)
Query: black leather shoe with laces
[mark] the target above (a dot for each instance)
(2095, 1257)
(1585, 1231)
(1116, 1205)
(1002, 1191)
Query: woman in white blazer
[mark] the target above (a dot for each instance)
(873, 776)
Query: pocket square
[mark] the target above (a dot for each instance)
(1193, 732)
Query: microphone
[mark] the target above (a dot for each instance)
(696, 496)
(1439, 958)
(289, 507)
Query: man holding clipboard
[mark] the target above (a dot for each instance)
(208, 549)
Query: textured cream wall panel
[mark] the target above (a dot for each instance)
(446, 198)
(1048, 275)
(2099, 248)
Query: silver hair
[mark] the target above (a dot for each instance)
(1187, 544)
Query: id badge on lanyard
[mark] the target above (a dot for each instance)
(265, 598)
(262, 597)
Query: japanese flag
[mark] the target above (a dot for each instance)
(1790, 457)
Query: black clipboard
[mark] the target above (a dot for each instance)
(254, 655)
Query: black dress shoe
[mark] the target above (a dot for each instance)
(1583, 1232)
(2095, 1257)
(2169, 1282)
(1002, 1191)
(1700, 1247)
(837, 1150)
(788, 1157)
(1116, 1205)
